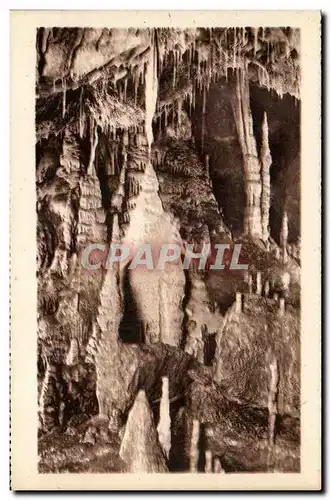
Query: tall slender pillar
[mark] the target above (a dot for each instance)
(265, 175)
(244, 124)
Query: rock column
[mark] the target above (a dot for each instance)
(265, 174)
(244, 124)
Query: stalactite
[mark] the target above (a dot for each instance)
(112, 161)
(265, 174)
(136, 86)
(174, 70)
(203, 124)
(198, 66)
(125, 88)
(239, 43)
(81, 114)
(64, 95)
(234, 47)
(93, 146)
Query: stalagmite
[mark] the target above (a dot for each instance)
(48, 411)
(272, 400)
(207, 168)
(218, 466)
(275, 297)
(265, 174)
(285, 279)
(266, 288)
(140, 449)
(281, 306)
(250, 283)
(244, 124)
(164, 425)
(258, 283)
(73, 353)
(289, 249)
(238, 302)
(208, 461)
(194, 446)
(64, 96)
(151, 89)
(284, 235)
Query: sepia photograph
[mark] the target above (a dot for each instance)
(168, 225)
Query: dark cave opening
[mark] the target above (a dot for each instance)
(284, 142)
(130, 329)
(220, 142)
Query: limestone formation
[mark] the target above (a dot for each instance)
(266, 288)
(265, 175)
(148, 137)
(201, 321)
(284, 235)
(140, 449)
(218, 466)
(252, 168)
(164, 425)
(238, 302)
(208, 461)
(73, 353)
(281, 306)
(194, 449)
(272, 400)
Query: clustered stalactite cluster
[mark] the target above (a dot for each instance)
(120, 158)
